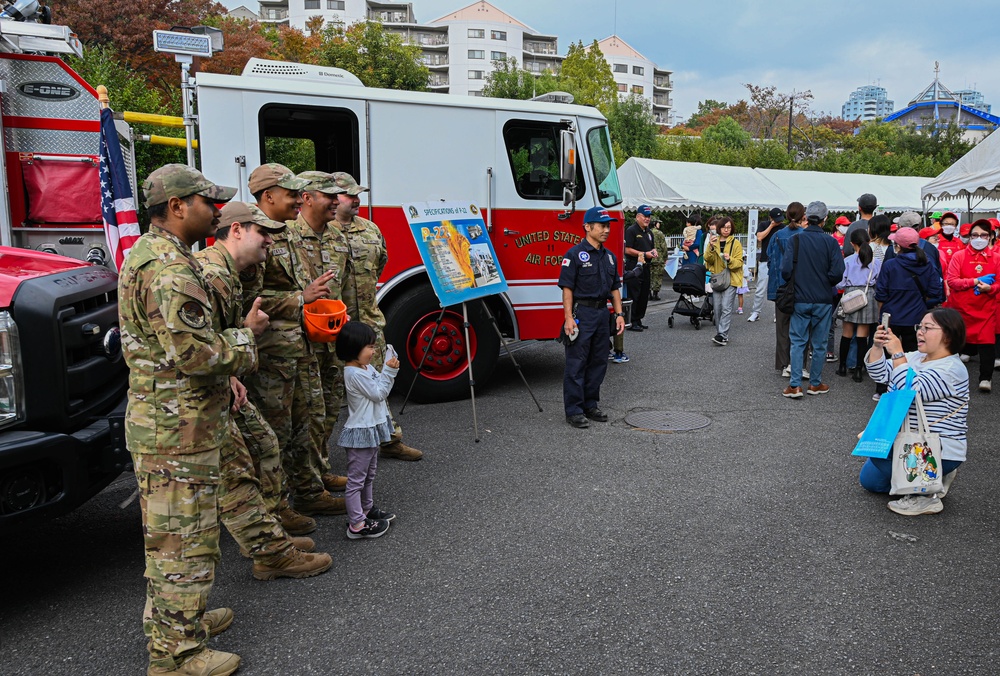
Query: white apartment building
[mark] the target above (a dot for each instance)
(867, 103)
(635, 74)
(460, 47)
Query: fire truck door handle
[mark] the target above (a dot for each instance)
(507, 231)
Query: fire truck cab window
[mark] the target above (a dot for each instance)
(307, 138)
(533, 152)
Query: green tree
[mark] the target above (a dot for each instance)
(633, 131)
(508, 81)
(706, 107)
(727, 133)
(129, 90)
(587, 75)
(377, 57)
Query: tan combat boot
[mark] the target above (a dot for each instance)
(325, 505)
(334, 482)
(206, 663)
(293, 563)
(305, 544)
(217, 621)
(401, 451)
(294, 523)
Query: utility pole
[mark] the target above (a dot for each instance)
(791, 107)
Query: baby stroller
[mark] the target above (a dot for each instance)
(690, 284)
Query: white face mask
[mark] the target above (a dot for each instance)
(842, 229)
(979, 244)
(965, 240)
(948, 229)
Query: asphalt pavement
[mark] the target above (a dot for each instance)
(745, 547)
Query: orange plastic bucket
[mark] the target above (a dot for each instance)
(323, 319)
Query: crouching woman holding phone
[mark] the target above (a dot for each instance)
(943, 383)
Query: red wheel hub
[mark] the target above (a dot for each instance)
(447, 356)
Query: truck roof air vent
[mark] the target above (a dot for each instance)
(299, 71)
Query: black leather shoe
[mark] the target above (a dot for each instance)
(639, 323)
(856, 375)
(635, 327)
(596, 414)
(579, 420)
(842, 370)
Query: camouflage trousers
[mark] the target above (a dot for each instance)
(243, 510)
(656, 273)
(262, 443)
(183, 499)
(289, 394)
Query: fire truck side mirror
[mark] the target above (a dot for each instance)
(567, 155)
(569, 195)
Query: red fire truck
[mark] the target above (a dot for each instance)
(62, 378)
(505, 156)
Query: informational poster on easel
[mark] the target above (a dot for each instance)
(456, 249)
(462, 266)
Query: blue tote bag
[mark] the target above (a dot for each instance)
(886, 421)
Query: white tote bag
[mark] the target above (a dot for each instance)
(916, 457)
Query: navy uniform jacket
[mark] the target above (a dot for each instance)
(590, 273)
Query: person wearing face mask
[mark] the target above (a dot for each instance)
(974, 279)
(842, 224)
(948, 243)
(963, 233)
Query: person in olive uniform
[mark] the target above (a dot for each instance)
(588, 277)
(177, 420)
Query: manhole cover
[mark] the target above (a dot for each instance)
(667, 421)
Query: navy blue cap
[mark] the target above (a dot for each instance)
(645, 210)
(598, 215)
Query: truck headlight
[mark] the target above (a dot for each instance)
(11, 373)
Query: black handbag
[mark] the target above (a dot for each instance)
(785, 299)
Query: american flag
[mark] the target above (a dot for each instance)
(121, 225)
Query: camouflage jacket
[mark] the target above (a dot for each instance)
(368, 257)
(328, 251)
(179, 366)
(280, 285)
(219, 270)
(660, 244)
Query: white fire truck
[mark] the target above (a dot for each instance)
(504, 155)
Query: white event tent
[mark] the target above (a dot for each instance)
(687, 186)
(975, 175)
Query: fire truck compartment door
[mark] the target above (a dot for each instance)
(61, 192)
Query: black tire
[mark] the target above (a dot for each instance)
(410, 319)
(670, 322)
(697, 325)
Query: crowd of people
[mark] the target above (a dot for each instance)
(232, 404)
(908, 298)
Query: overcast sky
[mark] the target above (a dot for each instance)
(830, 48)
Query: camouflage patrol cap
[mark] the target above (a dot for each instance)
(241, 212)
(180, 180)
(320, 181)
(273, 174)
(347, 182)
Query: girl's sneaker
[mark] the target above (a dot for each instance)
(372, 529)
(739, 310)
(380, 515)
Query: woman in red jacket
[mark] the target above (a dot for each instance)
(976, 299)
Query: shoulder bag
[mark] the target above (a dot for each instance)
(785, 300)
(916, 458)
(720, 281)
(857, 299)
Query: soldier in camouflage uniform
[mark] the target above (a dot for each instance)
(244, 511)
(287, 387)
(177, 421)
(320, 243)
(368, 257)
(656, 270)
